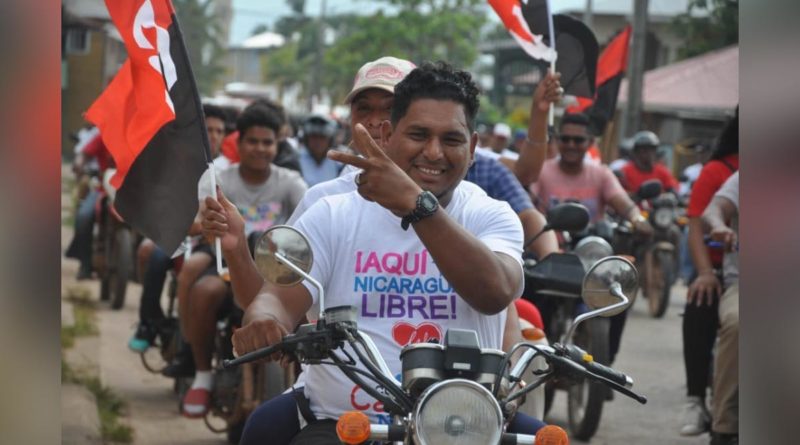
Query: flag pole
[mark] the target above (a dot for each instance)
(204, 137)
(552, 112)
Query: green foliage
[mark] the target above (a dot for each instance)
(417, 30)
(84, 312)
(717, 27)
(202, 34)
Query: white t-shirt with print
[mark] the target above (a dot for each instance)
(346, 183)
(363, 258)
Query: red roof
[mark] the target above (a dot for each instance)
(709, 81)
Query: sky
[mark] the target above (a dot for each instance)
(247, 14)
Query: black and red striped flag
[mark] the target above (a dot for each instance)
(150, 119)
(611, 68)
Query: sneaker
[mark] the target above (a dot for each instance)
(182, 366)
(695, 417)
(143, 338)
(196, 403)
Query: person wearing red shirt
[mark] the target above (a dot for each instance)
(700, 320)
(644, 166)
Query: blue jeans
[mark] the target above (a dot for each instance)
(276, 422)
(81, 246)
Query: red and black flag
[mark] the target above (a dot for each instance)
(151, 120)
(610, 70)
(576, 49)
(527, 22)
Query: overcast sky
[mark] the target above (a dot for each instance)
(247, 14)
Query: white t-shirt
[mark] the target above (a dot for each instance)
(363, 258)
(346, 183)
(730, 262)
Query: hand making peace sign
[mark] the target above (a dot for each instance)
(380, 180)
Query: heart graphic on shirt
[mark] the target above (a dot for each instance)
(405, 333)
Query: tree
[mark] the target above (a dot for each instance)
(202, 33)
(420, 30)
(707, 25)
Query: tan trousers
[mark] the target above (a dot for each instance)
(726, 364)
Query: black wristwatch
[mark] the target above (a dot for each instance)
(427, 204)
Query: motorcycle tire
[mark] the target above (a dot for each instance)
(122, 266)
(585, 398)
(105, 271)
(661, 272)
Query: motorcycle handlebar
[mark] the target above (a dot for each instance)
(615, 376)
(252, 356)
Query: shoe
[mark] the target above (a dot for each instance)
(196, 402)
(143, 338)
(724, 438)
(695, 417)
(182, 366)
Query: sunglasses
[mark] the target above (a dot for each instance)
(578, 140)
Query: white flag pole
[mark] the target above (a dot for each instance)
(217, 241)
(551, 114)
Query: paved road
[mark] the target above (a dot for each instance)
(652, 353)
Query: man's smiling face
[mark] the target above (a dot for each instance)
(433, 144)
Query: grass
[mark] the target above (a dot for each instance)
(109, 406)
(84, 311)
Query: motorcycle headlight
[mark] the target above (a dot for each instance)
(663, 217)
(457, 411)
(592, 249)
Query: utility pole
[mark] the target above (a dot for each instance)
(633, 118)
(588, 14)
(316, 77)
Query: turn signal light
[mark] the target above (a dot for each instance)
(532, 334)
(353, 427)
(551, 435)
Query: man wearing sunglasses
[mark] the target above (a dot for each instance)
(568, 178)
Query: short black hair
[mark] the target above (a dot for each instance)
(258, 117)
(728, 142)
(575, 119)
(438, 81)
(269, 104)
(210, 110)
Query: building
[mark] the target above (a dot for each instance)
(91, 53)
(689, 100)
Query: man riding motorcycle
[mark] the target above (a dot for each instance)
(428, 146)
(266, 195)
(644, 166)
(568, 177)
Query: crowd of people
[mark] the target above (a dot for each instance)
(419, 175)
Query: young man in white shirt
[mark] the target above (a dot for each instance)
(358, 245)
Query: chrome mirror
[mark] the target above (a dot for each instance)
(278, 246)
(608, 282)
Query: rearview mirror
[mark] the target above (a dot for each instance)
(568, 216)
(605, 279)
(289, 243)
(649, 189)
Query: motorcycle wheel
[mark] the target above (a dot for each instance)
(585, 398)
(660, 271)
(122, 266)
(105, 271)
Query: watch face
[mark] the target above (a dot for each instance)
(428, 202)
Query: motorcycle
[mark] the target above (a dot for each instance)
(453, 392)
(659, 255)
(113, 246)
(555, 286)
